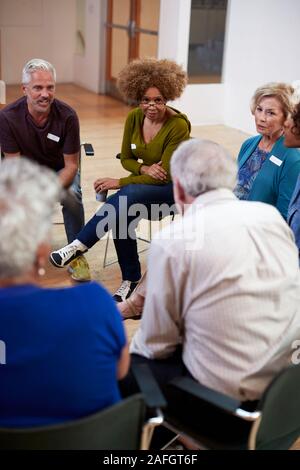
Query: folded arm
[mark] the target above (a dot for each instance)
(159, 171)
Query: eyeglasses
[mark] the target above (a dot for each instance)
(145, 101)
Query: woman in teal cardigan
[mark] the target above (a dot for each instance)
(152, 132)
(268, 170)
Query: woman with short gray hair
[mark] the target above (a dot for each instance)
(66, 347)
(25, 217)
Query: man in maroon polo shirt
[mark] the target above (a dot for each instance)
(46, 130)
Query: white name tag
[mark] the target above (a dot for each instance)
(275, 160)
(133, 146)
(53, 137)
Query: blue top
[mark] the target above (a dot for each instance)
(248, 173)
(276, 180)
(294, 214)
(62, 347)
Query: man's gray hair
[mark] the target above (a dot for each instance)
(36, 64)
(203, 165)
(28, 193)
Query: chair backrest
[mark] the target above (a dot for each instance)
(276, 418)
(116, 428)
(279, 425)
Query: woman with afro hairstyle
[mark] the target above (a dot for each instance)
(152, 132)
(292, 139)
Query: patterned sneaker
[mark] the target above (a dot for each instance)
(65, 255)
(79, 269)
(124, 291)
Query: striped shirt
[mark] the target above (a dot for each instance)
(225, 283)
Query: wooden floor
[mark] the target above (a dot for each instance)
(101, 122)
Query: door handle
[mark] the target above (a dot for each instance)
(131, 28)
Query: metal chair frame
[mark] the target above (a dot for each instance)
(273, 424)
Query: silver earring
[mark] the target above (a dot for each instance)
(41, 271)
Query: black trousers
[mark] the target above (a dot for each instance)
(164, 370)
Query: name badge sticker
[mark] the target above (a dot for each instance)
(133, 146)
(53, 137)
(275, 160)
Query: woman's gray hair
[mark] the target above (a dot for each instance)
(203, 165)
(36, 64)
(28, 193)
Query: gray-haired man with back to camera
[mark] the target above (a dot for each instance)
(228, 296)
(46, 130)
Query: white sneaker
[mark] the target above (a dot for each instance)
(65, 255)
(124, 291)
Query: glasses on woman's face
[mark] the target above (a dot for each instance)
(158, 101)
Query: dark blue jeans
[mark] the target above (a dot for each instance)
(73, 212)
(122, 214)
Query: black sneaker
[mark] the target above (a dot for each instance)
(124, 291)
(65, 255)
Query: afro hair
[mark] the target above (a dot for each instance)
(141, 74)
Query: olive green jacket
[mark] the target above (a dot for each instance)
(175, 130)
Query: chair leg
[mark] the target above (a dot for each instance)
(148, 429)
(146, 240)
(109, 263)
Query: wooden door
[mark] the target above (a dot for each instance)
(132, 32)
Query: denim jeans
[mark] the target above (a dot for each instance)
(121, 215)
(73, 212)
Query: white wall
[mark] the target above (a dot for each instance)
(174, 30)
(89, 68)
(37, 28)
(261, 44)
(204, 104)
(263, 38)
